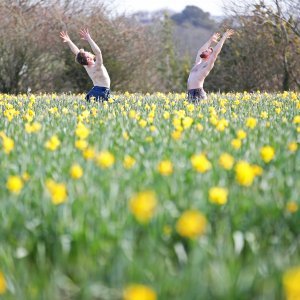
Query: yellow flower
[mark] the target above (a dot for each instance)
(8, 144)
(143, 123)
(218, 195)
(2, 284)
(139, 292)
(296, 119)
(81, 144)
(241, 134)
(53, 143)
(264, 115)
(34, 127)
(82, 131)
(58, 191)
(128, 162)
(166, 115)
(14, 184)
(191, 224)
(251, 122)
(76, 171)
(226, 161)
(236, 143)
(244, 173)
(88, 153)
(143, 206)
(176, 135)
(292, 206)
(25, 176)
(199, 127)
(187, 122)
(291, 279)
(165, 167)
(293, 146)
(125, 136)
(105, 159)
(257, 170)
(267, 153)
(200, 163)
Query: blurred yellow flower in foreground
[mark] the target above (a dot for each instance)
(251, 122)
(291, 283)
(292, 207)
(293, 146)
(2, 284)
(200, 163)
(14, 184)
(236, 143)
(165, 167)
(8, 144)
(105, 159)
(226, 161)
(218, 195)
(143, 206)
(244, 173)
(76, 171)
(139, 292)
(53, 143)
(82, 131)
(191, 224)
(128, 162)
(58, 191)
(267, 153)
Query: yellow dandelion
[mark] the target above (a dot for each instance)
(165, 167)
(58, 191)
(53, 143)
(236, 143)
(226, 161)
(293, 146)
(291, 279)
(200, 163)
(105, 159)
(191, 224)
(218, 195)
(14, 184)
(139, 292)
(128, 162)
(143, 205)
(8, 144)
(251, 122)
(244, 173)
(267, 153)
(3, 285)
(76, 171)
(292, 206)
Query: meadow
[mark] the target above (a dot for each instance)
(150, 197)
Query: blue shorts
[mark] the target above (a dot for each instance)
(100, 93)
(195, 95)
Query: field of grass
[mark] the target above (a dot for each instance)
(149, 197)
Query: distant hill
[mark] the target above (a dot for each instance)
(192, 27)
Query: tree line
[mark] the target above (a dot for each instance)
(264, 53)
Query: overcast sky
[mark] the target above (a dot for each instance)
(214, 7)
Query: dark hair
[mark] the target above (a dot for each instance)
(204, 55)
(81, 58)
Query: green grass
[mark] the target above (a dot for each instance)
(92, 247)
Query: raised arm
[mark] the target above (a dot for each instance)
(217, 49)
(66, 39)
(85, 35)
(213, 38)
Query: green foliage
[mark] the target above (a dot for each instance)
(92, 247)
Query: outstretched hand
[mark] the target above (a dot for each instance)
(215, 37)
(64, 35)
(85, 35)
(229, 33)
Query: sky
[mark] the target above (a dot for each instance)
(214, 7)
